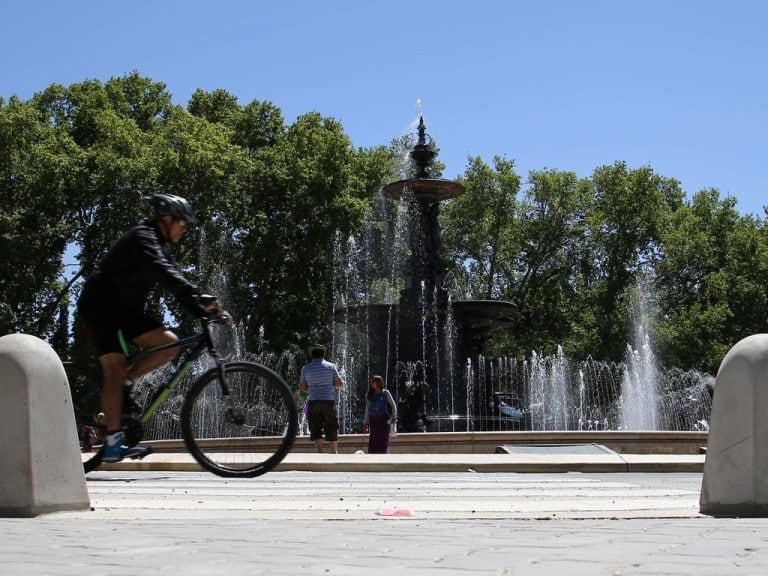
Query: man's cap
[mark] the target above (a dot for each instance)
(317, 347)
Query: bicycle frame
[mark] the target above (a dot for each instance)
(201, 342)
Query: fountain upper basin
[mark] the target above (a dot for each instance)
(424, 188)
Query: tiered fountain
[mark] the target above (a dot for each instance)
(430, 348)
(422, 342)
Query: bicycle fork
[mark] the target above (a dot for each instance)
(232, 413)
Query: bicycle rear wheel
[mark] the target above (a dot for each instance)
(85, 387)
(244, 428)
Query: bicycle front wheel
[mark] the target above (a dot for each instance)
(242, 427)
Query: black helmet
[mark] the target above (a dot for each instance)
(170, 205)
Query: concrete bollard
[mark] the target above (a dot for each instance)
(40, 466)
(735, 479)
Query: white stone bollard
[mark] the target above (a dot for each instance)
(735, 479)
(40, 466)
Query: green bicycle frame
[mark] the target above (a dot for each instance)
(182, 369)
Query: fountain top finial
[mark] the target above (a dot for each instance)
(422, 153)
(422, 131)
(422, 186)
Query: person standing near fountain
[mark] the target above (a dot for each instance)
(320, 379)
(380, 416)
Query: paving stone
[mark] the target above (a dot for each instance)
(156, 523)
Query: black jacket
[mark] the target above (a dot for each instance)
(140, 260)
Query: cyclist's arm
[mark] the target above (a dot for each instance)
(161, 267)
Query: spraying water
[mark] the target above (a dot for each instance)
(639, 387)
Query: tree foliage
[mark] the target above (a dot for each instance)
(38, 164)
(569, 254)
(711, 280)
(78, 162)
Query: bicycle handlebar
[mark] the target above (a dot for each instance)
(215, 313)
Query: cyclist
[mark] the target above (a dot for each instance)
(112, 306)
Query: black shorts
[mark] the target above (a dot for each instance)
(321, 417)
(105, 320)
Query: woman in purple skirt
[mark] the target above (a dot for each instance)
(380, 416)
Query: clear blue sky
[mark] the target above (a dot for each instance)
(679, 85)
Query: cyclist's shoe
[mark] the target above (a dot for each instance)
(137, 452)
(115, 449)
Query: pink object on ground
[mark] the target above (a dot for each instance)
(399, 512)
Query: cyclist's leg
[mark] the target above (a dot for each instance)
(116, 372)
(114, 367)
(103, 324)
(104, 320)
(156, 337)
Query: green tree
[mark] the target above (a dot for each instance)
(712, 281)
(37, 163)
(139, 99)
(273, 200)
(629, 212)
(546, 284)
(479, 230)
(218, 106)
(520, 247)
(304, 190)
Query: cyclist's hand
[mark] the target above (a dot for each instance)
(215, 309)
(211, 305)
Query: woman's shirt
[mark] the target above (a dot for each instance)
(377, 405)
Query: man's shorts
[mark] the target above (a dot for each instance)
(322, 417)
(104, 321)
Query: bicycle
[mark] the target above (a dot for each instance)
(229, 412)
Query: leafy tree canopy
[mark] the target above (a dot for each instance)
(275, 200)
